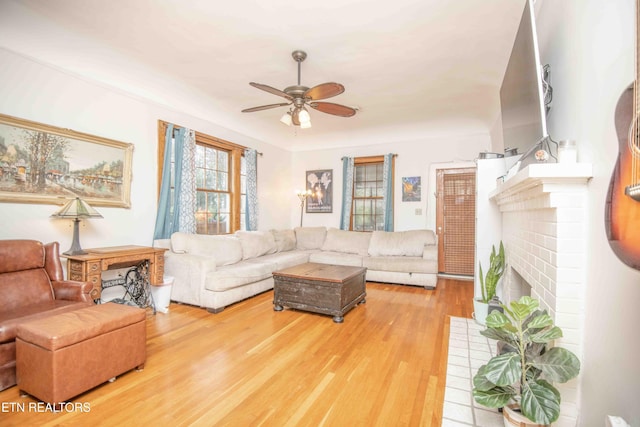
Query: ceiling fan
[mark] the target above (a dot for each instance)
(301, 96)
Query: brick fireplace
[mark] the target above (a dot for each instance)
(544, 232)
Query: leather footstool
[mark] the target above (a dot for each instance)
(64, 355)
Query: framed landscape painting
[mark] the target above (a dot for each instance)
(46, 164)
(320, 183)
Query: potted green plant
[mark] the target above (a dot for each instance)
(519, 378)
(489, 283)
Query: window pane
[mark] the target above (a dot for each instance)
(370, 189)
(224, 202)
(243, 184)
(212, 202)
(359, 189)
(200, 156)
(223, 181)
(367, 207)
(212, 158)
(358, 222)
(211, 180)
(201, 201)
(371, 172)
(223, 161)
(358, 207)
(200, 178)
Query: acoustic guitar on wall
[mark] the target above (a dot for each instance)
(622, 209)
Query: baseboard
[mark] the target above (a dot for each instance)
(455, 276)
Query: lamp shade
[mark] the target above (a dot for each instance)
(304, 116)
(286, 118)
(76, 208)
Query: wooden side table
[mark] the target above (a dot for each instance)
(89, 267)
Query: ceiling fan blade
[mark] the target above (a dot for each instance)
(264, 107)
(271, 90)
(335, 109)
(324, 91)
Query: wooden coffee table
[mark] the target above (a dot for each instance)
(320, 288)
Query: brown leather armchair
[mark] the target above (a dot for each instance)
(32, 286)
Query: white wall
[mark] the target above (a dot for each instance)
(589, 45)
(415, 158)
(37, 92)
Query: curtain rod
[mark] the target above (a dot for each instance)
(344, 157)
(177, 128)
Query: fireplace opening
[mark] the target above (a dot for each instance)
(514, 286)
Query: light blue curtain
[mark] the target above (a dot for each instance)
(387, 185)
(162, 228)
(169, 212)
(347, 192)
(251, 216)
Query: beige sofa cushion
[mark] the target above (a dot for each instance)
(400, 243)
(225, 250)
(256, 243)
(242, 274)
(350, 242)
(401, 264)
(285, 240)
(336, 258)
(310, 237)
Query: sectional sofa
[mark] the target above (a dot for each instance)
(216, 271)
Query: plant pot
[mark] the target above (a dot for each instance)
(513, 418)
(480, 312)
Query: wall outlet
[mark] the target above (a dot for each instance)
(419, 211)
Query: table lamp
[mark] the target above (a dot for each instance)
(76, 209)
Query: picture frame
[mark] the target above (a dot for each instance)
(45, 164)
(320, 184)
(411, 189)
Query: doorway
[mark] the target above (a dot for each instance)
(455, 220)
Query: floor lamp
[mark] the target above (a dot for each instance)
(303, 198)
(76, 209)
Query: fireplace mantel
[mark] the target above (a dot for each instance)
(541, 178)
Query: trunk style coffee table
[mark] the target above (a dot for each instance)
(320, 288)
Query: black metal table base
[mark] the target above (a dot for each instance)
(137, 291)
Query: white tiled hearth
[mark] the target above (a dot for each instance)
(543, 229)
(468, 350)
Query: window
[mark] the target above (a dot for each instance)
(367, 213)
(220, 176)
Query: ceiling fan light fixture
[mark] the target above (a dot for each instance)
(286, 118)
(304, 117)
(305, 125)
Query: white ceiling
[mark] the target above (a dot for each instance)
(415, 68)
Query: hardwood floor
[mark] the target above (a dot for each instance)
(252, 366)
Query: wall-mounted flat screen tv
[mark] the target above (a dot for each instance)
(521, 95)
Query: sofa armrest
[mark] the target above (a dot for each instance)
(188, 267)
(162, 243)
(430, 252)
(72, 290)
